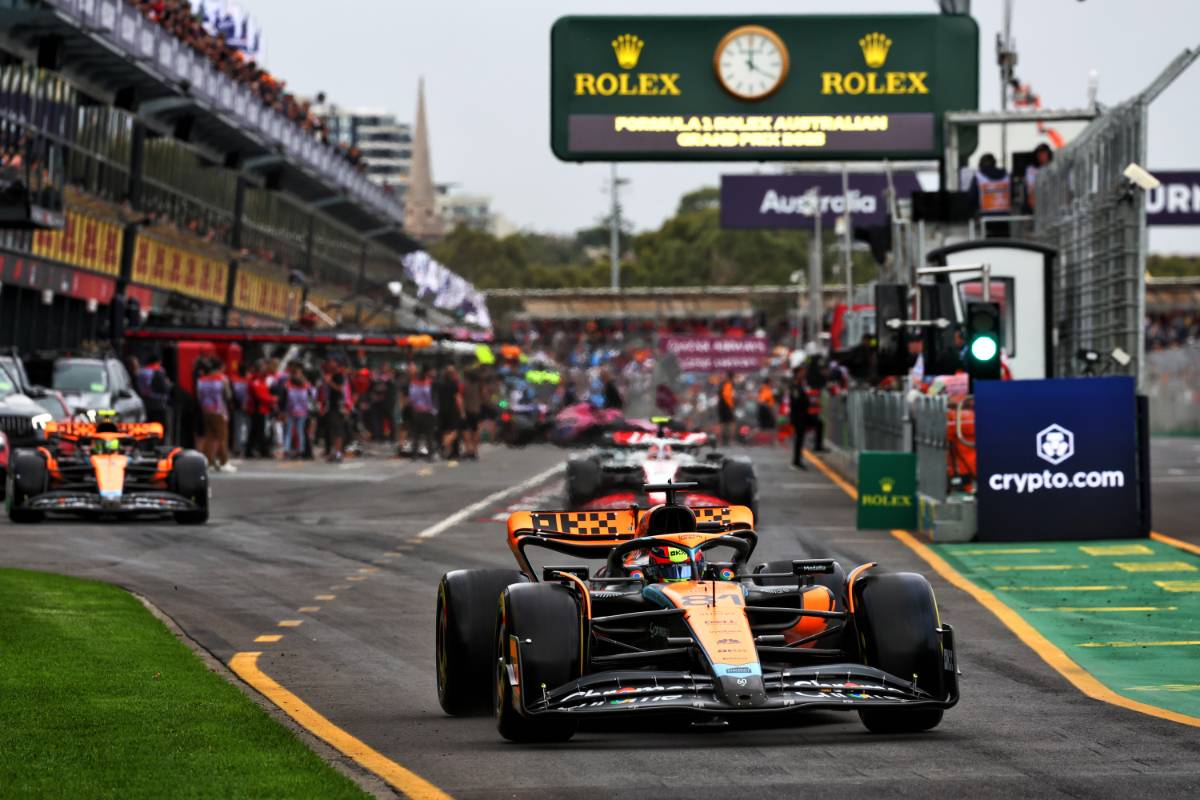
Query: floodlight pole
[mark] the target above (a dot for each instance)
(614, 223)
(847, 260)
(816, 278)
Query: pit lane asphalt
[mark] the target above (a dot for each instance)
(281, 534)
(1175, 486)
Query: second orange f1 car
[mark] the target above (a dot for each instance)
(665, 627)
(107, 468)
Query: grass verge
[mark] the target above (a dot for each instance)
(99, 699)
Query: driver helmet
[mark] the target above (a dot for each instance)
(670, 564)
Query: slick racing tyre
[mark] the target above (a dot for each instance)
(466, 619)
(27, 476)
(189, 479)
(540, 622)
(584, 478)
(897, 621)
(738, 484)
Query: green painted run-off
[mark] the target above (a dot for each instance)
(1127, 611)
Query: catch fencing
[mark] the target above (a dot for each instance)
(1095, 218)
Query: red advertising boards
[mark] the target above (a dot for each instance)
(716, 353)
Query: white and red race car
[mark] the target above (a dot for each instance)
(613, 477)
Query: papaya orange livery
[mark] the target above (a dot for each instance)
(675, 616)
(109, 469)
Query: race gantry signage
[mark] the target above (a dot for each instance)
(758, 88)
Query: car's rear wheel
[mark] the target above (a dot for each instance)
(584, 479)
(189, 479)
(465, 626)
(897, 619)
(538, 642)
(739, 485)
(27, 478)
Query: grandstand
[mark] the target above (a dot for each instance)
(146, 164)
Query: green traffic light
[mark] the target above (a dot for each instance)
(984, 348)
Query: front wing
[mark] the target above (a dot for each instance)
(845, 686)
(74, 501)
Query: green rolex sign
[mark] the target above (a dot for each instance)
(759, 88)
(887, 490)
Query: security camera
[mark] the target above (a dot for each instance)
(1141, 178)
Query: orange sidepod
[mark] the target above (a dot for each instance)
(51, 464)
(815, 598)
(162, 470)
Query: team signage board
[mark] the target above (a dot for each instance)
(1177, 201)
(716, 353)
(788, 200)
(887, 490)
(1056, 459)
(758, 87)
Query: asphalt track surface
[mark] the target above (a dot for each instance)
(1175, 492)
(282, 534)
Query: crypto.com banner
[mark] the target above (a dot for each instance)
(1057, 459)
(787, 201)
(716, 353)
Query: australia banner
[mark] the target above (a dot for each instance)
(716, 353)
(788, 200)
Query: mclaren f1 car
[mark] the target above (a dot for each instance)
(612, 477)
(107, 468)
(664, 627)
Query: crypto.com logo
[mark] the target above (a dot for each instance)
(1055, 444)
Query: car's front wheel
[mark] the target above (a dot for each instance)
(27, 478)
(465, 627)
(897, 620)
(538, 650)
(189, 479)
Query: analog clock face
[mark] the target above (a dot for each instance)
(751, 62)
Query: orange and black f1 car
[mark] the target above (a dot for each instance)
(665, 627)
(107, 468)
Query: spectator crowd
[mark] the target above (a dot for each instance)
(189, 25)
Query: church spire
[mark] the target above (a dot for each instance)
(421, 218)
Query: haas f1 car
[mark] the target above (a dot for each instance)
(612, 478)
(107, 468)
(664, 627)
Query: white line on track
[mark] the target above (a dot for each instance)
(475, 508)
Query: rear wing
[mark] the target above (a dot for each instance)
(591, 534)
(646, 438)
(74, 431)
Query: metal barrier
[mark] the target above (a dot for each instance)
(872, 420)
(931, 444)
(885, 421)
(1095, 218)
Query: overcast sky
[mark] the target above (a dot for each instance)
(486, 68)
